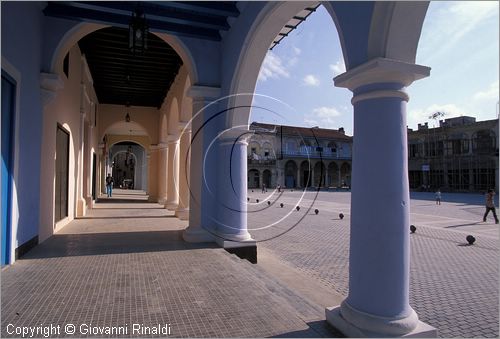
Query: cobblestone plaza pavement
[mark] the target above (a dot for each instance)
(125, 263)
(453, 286)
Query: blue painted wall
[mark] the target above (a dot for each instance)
(21, 44)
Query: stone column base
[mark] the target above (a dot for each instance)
(243, 249)
(171, 206)
(335, 318)
(182, 214)
(89, 201)
(162, 201)
(196, 235)
(81, 207)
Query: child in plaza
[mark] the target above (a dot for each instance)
(490, 205)
(438, 197)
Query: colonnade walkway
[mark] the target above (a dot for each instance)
(124, 267)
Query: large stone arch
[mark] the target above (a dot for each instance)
(118, 129)
(267, 23)
(385, 29)
(395, 29)
(63, 36)
(187, 102)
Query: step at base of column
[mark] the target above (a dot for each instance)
(335, 319)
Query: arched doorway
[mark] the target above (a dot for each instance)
(129, 165)
(319, 174)
(253, 178)
(291, 179)
(345, 175)
(305, 174)
(333, 174)
(267, 178)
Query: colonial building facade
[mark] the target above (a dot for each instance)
(459, 155)
(298, 157)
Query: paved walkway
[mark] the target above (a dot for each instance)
(125, 267)
(125, 264)
(453, 287)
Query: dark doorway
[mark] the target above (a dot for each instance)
(8, 105)
(307, 179)
(62, 169)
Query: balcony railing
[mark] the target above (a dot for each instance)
(268, 162)
(312, 154)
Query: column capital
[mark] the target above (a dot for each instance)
(204, 92)
(162, 145)
(236, 136)
(50, 83)
(184, 126)
(172, 139)
(381, 70)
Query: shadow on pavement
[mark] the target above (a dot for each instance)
(317, 329)
(69, 245)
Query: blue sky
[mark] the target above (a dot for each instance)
(459, 41)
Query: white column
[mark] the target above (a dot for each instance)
(162, 173)
(80, 201)
(182, 211)
(88, 163)
(379, 259)
(201, 226)
(173, 173)
(231, 204)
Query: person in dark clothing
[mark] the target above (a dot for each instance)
(490, 205)
(109, 185)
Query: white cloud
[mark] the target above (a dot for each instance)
(272, 68)
(324, 117)
(490, 93)
(417, 116)
(451, 22)
(338, 67)
(292, 61)
(311, 80)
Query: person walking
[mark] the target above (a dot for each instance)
(109, 185)
(490, 205)
(263, 188)
(438, 197)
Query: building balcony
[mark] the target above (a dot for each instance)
(313, 155)
(263, 162)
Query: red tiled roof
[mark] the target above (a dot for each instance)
(302, 131)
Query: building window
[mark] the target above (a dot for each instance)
(413, 150)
